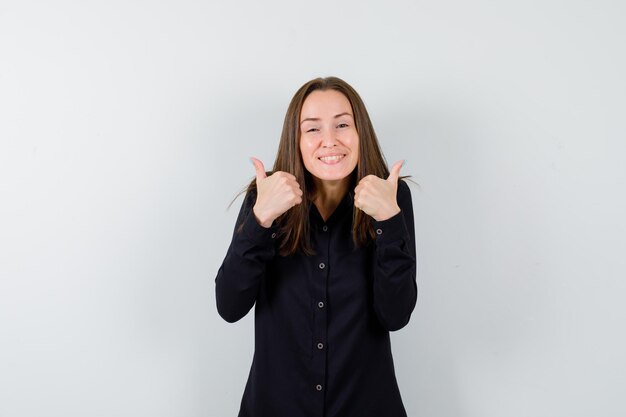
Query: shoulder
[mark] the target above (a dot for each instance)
(404, 194)
(250, 195)
(403, 188)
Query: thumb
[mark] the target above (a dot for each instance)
(395, 172)
(260, 169)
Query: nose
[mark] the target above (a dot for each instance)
(329, 140)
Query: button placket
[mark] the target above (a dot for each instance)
(320, 330)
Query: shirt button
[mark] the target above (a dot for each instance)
(322, 265)
(273, 235)
(325, 228)
(379, 231)
(320, 346)
(320, 304)
(318, 387)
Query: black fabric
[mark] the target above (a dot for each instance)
(345, 299)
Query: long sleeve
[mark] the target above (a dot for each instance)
(395, 270)
(319, 346)
(239, 277)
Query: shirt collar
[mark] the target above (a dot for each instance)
(345, 206)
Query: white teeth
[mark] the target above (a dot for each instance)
(331, 158)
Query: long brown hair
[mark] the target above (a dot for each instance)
(294, 223)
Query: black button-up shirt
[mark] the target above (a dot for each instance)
(322, 322)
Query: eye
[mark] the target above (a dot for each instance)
(342, 125)
(312, 129)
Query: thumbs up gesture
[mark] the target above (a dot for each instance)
(275, 194)
(377, 196)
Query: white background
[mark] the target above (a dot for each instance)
(126, 128)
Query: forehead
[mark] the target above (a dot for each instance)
(327, 103)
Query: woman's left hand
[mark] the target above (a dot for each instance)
(377, 196)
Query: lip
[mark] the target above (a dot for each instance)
(332, 162)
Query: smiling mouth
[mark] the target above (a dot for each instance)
(331, 159)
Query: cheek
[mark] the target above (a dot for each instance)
(306, 152)
(354, 144)
(306, 146)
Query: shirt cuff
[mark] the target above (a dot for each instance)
(264, 236)
(391, 230)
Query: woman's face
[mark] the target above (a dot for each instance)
(329, 142)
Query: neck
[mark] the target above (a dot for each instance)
(328, 195)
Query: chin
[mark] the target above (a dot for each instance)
(331, 176)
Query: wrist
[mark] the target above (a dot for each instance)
(388, 214)
(262, 218)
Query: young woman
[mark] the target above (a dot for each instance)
(324, 244)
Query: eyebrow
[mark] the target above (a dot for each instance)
(317, 118)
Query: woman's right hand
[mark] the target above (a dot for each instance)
(275, 194)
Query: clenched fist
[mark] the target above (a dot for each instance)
(377, 196)
(275, 194)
